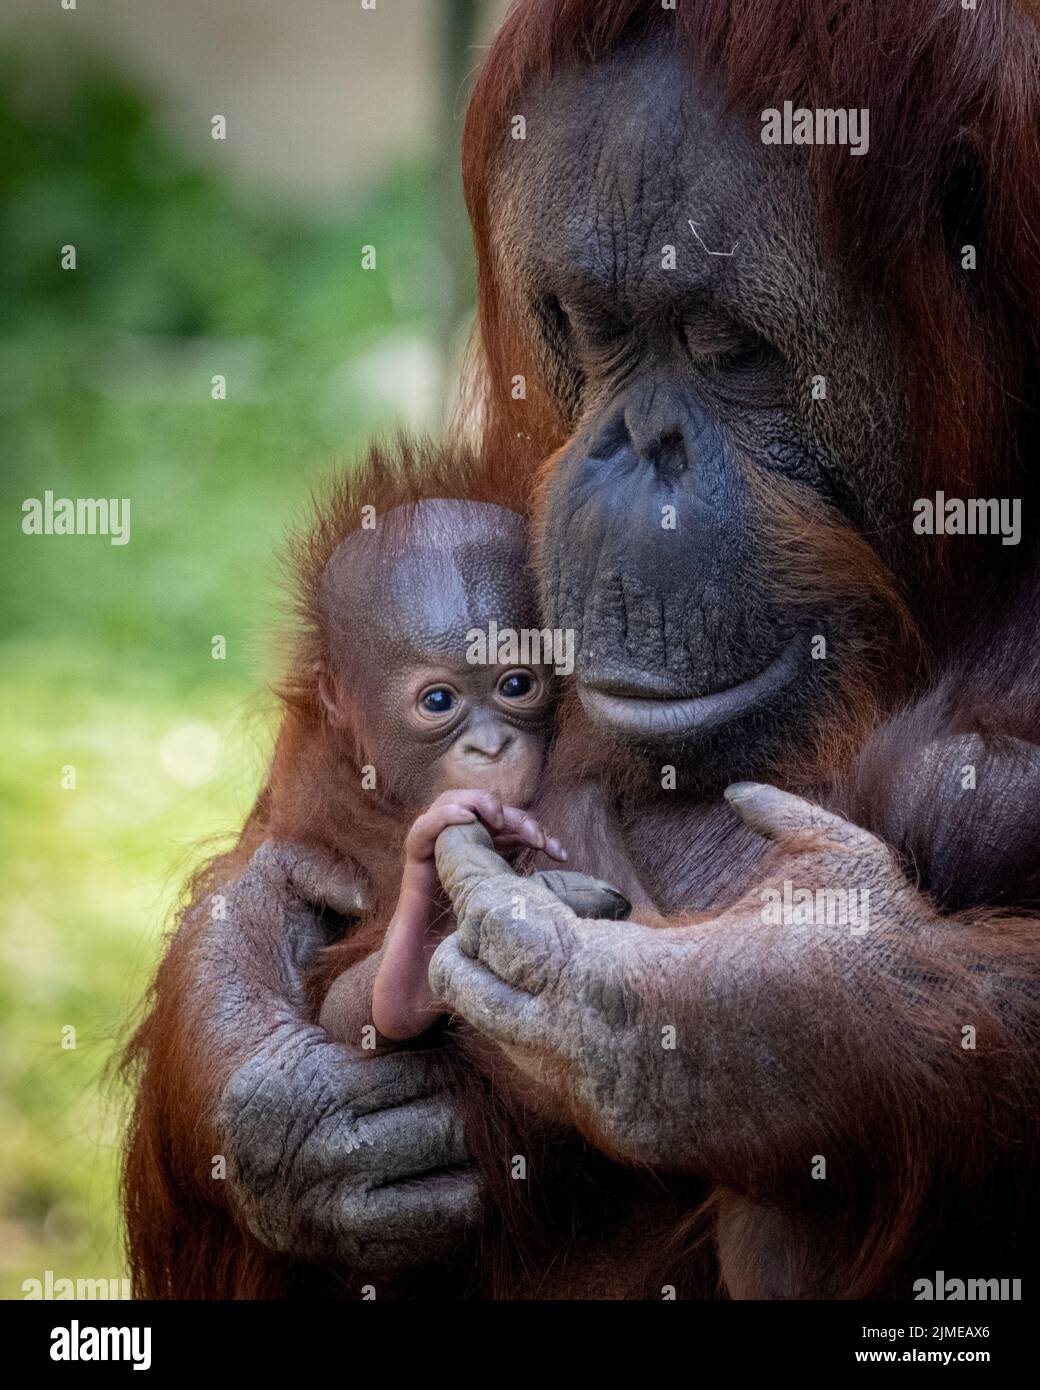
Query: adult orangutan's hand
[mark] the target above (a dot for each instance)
(698, 1045)
(334, 1155)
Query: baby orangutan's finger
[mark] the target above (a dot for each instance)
(552, 847)
(423, 835)
(521, 828)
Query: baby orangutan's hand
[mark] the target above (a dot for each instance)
(402, 1004)
(509, 826)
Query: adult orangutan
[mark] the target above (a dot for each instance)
(733, 546)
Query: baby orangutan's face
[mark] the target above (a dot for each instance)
(434, 723)
(479, 726)
(402, 617)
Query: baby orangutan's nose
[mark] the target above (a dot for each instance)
(487, 742)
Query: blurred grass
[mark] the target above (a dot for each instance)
(105, 661)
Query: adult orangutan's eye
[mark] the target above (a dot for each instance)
(747, 356)
(726, 347)
(564, 379)
(596, 330)
(556, 326)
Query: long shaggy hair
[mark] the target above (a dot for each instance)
(957, 95)
(955, 92)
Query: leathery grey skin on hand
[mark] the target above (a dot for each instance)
(579, 1007)
(348, 1006)
(334, 1156)
(585, 895)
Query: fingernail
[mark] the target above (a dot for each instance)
(740, 791)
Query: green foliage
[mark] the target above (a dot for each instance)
(106, 663)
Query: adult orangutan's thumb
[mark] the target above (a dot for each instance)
(467, 861)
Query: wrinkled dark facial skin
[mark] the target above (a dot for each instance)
(430, 719)
(681, 385)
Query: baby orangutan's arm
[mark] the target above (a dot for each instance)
(389, 989)
(402, 1005)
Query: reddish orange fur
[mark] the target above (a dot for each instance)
(961, 103)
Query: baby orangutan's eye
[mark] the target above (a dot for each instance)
(440, 700)
(516, 685)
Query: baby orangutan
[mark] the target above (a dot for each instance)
(439, 739)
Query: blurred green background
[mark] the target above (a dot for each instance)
(193, 259)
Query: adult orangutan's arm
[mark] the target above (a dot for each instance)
(745, 1047)
(333, 1156)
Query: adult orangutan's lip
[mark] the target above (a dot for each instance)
(652, 718)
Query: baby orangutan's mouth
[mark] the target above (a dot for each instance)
(650, 718)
